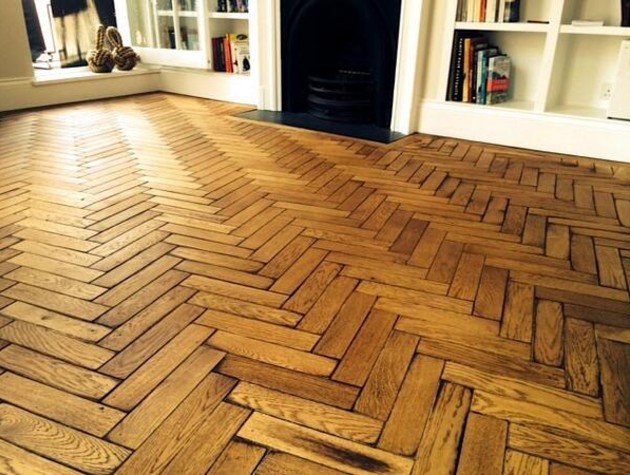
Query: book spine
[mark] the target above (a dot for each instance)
(458, 79)
(501, 15)
(482, 12)
(491, 11)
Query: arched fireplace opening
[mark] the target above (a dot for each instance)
(339, 59)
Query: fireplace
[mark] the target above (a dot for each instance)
(339, 59)
(349, 54)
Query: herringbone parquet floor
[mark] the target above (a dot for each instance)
(187, 292)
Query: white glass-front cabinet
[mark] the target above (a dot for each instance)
(179, 33)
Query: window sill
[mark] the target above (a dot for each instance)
(58, 76)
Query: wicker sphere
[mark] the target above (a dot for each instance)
(124, 56)
(99, 59)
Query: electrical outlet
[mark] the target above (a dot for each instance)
(606, 92)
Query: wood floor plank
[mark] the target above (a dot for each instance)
(35, 433)
(562, 449)
(278, 463)
(581, 357)
(484, 444)
(158, 405)
(133, 389)
(518, 463)
(404, 428)
(179, 428)
(78, 413)
(381, 388)
(45, 318)
(54, 372)
(491, 294)
(273, 354)
(298, 384)
(437, 453)
(17, 461)
(57, 345)
(247, 327)
(518, 318)
(549, 334)
(317, 416)
(615, 358)
(58, 303)
(238, 457)
(328, 450)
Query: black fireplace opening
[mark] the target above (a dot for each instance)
(339, 59)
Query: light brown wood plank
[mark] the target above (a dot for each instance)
(57, 345)
(404, 428)
(518, 463)
(317, 416)
(174, 435)
(133, 389)
(569, 451)
(581, 357)
(549, 334)
(291, 382)
(54, 372)
(321, 448)
(273, 354)
(381, 388)
(438, 449)
(17, 461)
(615, 358)
(58, 442)
(483, 449)
(78, 413)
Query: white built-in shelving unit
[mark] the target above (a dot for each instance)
(178, 34)
(559, 72)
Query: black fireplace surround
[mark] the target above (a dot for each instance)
(340, 54)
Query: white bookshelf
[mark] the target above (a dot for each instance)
(559, 75)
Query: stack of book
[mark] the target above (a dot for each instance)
(480, 73)
(490, 11)
(230, 54)
(233, 6)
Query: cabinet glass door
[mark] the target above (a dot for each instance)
(167, 31)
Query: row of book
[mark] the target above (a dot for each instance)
(480, 73)
(184, 5)
(189, 38)
(233, 6)
(490, 11)
(230, 54)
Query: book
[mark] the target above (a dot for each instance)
(482, 72)
(457, 72)
(498, 83)
(491, 11)
(512, 11)
(478, 45)
(470, 10)
(243, 64)
(501, 12)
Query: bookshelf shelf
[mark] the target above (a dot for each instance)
(620, 31)
(228, 16)
(508, 27)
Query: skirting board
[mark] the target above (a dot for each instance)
(26, 93)
(597, 138)
(209, 85)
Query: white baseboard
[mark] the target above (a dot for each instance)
(597, 138)
(236, 88)
(26, 93)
